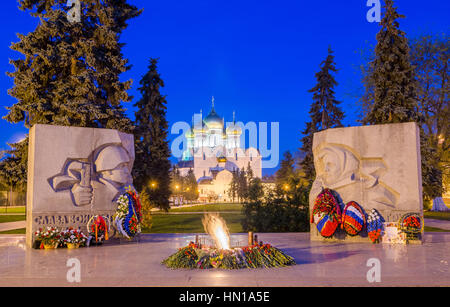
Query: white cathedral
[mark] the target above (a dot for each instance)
(213, 152)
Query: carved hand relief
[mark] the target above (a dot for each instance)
(107, 168)
(339, 168)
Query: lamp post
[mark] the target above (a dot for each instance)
(177, 187)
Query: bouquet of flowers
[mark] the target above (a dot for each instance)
(49, 237)
(74, 237)
(255, 256)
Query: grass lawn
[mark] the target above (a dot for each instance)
(434, 229)
(209, 208)
(21, 231)
(12, 218)
(190, 223)
(437, 215)
(12, 210)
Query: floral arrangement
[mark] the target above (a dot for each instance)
(256, 256)
(353, 218)
(50, 236)
(98, 228)
(128, 214)
(374, 226)
(326, 203)
(326, 213)
(412, 225)
(73, 236)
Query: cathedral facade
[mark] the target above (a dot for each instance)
(214, 152)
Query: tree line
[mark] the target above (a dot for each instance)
(69, 74)
(404, 81)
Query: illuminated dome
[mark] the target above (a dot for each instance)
(213, 120)
(234, 129)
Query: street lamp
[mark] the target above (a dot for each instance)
(177, 187)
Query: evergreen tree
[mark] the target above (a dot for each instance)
(394, 93)
(324, 112)
(234, 184)
(242, 185)
(152, 163)
(249, 173)
(69, 71)
(286, 170)
(13, 169)
(191, 186)
(255, 190)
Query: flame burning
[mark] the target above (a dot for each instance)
(217, 228)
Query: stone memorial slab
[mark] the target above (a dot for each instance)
(377, 166)
(75, 173)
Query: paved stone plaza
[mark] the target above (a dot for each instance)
(318, 264)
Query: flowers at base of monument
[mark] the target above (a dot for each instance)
(353, 218)
(48, 236)
(326, 213)
(128, 214)
(374, 226)
(411, 224)
(73, 236)
(255, 256)
(98, 228)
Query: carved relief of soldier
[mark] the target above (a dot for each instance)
(107, 172)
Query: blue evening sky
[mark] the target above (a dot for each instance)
(258, 58)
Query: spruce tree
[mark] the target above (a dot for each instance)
(13, 169)
(286, 170)
(395, 94)
(191, 186)
(249, 173)
(324, 112)
(242, 185)
(234, 184)
(69, 71)
(152, 165)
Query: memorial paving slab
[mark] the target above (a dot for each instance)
(139, 264)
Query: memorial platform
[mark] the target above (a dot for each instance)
(318, 264)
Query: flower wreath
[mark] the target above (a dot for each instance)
(374, 225)
(98, 228)
(128, 215)
(353, 218)
(326, 213)
(411, 224)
